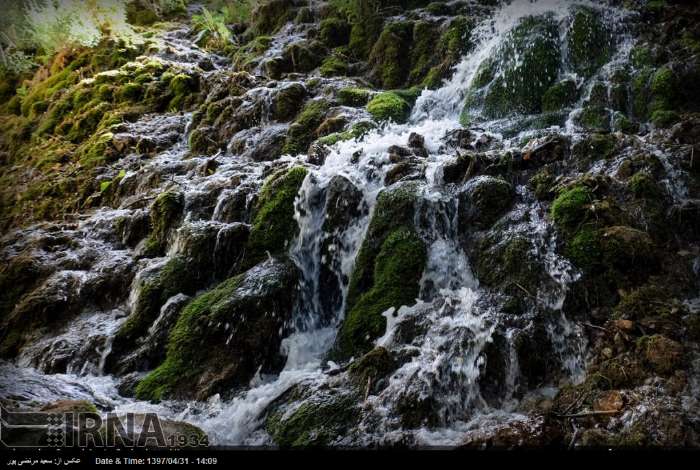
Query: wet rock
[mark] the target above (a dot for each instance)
(515, 79)
(663, 355)
(50, 304)
(540, 152)
(274, 225)
(370, 371)
(317, 154)
(536, 432)
(241, 322)
(316, 422)
(149, 351)
(417, 143)
(344, 206)
(483, 201)
(287, 102)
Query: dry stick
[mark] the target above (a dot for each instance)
(575, 436)
(369, 385)
(590, 325)
(586, 414)
(524, 290)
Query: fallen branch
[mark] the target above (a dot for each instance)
(587, 414)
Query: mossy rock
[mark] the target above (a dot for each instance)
(334, 32)
(371, 369)
(521, 71)
(223, 337)
(395, 206)
(589, 43)
(560, 96)
(287, 101)
(316, 422)
(390, 60)
(156, 288)
(509, 265)
(333, 66)
(273, 224)
(354, 97)
(398, 268)
(303, 130)
(484, 200)
(166, 213)
(662, 354)
(271, 15)
(389, 106)
(569, 209)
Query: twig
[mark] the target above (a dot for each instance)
(586, 414)
(575, 436)
(524, 290)
(590, 325)
(369, 385)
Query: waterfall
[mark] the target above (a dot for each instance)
(456, 321)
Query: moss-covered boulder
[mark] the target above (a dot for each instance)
(570, 207)
(370, 372)
(302, 132)
(589, 43)
(225, 335)
(353, 96)
(166, 214)
(315, 422)
(389, 106)
(287, 102)
(273, 224)
(559, 96)
(271, 15)
(334, 32)
(390, 60)
(520, 72)
(510, 265)
(483, 201)
(398, 268)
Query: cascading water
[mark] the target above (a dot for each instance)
(454, 317)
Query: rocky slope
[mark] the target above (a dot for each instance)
(366, 223)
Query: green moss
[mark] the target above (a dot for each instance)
(542, 184)
(302, 132)
(131, 92)
(559, 96)
(664, 89)
(389, 106)
(509, 266)
(588, 42)
(643, 186)
(664, 119)
(334, 32)
(333, 66)
(524, 67)
(176, 277)
(184, 353)
(286, 103)
(390, 59)
(397, 271)
(570, 207)
(353, 96)
(181, 87)
(594, 118)
(273, 224)
(313, 424)
(166, 212)
(584, 248)
(453, 44)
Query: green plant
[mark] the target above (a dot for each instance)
(54, 25)
(212, 26)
